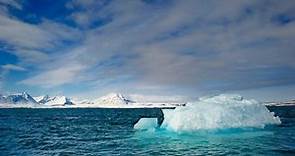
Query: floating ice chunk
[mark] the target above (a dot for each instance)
(219, 112)
(146, 123)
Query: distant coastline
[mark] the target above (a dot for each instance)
(280, 103)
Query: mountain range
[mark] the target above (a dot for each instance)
(53, 100)
(109, 100)
(22, 98)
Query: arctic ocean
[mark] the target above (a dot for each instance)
(218, 125)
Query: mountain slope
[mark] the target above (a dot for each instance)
(18, 99)
(113, 99)
(54, 101)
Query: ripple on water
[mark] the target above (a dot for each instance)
(87, 132)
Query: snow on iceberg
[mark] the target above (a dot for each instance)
(218, 112)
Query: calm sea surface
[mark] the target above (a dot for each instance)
(110, 132)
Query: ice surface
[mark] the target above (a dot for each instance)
(146, 123)
(218, 112)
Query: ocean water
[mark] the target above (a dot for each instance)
(85, 131)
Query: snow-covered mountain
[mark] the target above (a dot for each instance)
(54, 100)
(82, 102)
(18, 99)
(113, 99)
(159, 101)
(119, 100)
(281, 103)
(38, 98)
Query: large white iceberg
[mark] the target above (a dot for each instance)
(219, 112)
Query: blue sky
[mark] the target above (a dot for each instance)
(194, 47)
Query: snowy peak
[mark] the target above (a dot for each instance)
(21, 98)
(82, 102)
(113, 99)
(54, 101)
(38, 98)
(42, 99)
(280, 103)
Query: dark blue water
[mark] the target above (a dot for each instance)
(110, 132)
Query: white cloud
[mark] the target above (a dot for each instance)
(186, 43)
(12, 3)
(9, 67)
(16, 33)
(30, 41)
(56, 77)
(180, 43)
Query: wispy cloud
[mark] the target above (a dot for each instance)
(55, 77)
(32, 42)
(201, 44)
(191, 44)
(13, 67)
(10, 3)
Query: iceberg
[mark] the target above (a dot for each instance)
(146, 123)
(219, 112)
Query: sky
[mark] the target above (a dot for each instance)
(87, 48)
